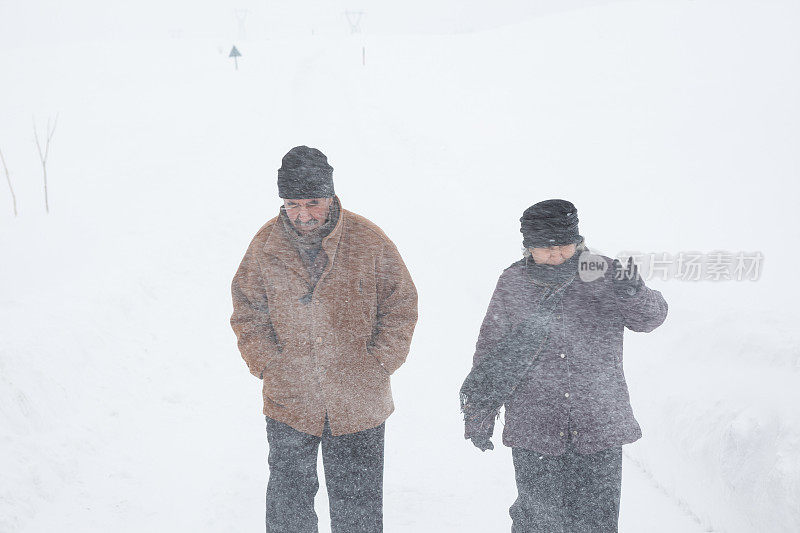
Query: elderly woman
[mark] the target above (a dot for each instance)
(550, 350)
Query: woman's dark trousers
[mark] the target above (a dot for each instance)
(569, 493)
(353, 475)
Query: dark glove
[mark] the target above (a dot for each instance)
(482, 443)
(627, 282)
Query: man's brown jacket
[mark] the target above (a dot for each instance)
(329, 348)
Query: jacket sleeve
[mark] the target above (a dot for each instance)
(496, 325)
(644, 311)
(250, 320)
(396, 310)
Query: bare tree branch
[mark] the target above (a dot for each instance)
(43, 156)
(8, 178)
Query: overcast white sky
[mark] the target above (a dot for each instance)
(33, 22)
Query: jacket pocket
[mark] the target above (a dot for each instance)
(371, 361)
(282, 381)
(377, 361)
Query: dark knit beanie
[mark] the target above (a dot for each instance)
(550, 223)
(305, 173)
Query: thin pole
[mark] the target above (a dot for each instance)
(8, 178)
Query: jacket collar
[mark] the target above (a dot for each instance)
(279, 245)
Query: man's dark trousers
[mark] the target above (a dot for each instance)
(353, 475)
(568, 493)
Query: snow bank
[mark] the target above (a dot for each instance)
(718, 409)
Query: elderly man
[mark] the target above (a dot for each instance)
(324, 310)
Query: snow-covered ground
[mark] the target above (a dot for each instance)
(673, 126)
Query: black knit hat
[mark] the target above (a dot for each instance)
(550, 223)
(305, 173)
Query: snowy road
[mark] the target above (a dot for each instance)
(124, 403)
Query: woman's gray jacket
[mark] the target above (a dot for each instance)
(576, 385)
